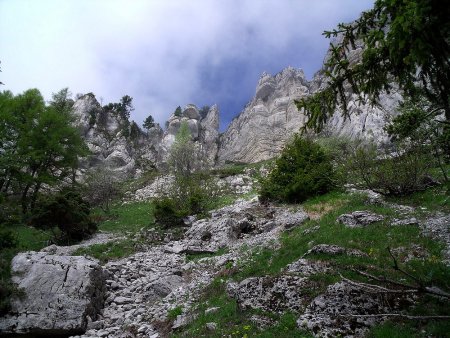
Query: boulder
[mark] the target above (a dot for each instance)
(358, 219)
(349, 310)
(307, 267)
(60, 294)
(334, 250)
(272, 294)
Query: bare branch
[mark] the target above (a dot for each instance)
(398, 315)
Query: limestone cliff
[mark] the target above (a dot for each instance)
(271, 118)
(120, 145)
(268, 121)
(113, 140)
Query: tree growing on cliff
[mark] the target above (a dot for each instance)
(149, 122)
(178, 112)
(122, 108)
(404, 42)
(192, 190)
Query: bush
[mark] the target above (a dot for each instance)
(102, 187)
(167, 213)
(192, 195)
(68, 212)
(400, 170)
(303, 170)
(8, 239)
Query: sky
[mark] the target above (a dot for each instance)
(163, 53)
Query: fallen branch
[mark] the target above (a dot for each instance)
(396, 267)
(421, 289)
(398, 315)
(375, 288)
(383, 279)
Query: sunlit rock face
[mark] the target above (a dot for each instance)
(60, 295)
(258, 133)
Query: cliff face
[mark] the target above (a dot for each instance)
(271, 118)
(259, 133)
(268, 121)
(120, 145)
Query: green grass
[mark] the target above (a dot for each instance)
(433, 199)
(123, 218)
(175, 312)
(234, 322)
(196, 257)
(372, 240)
(408, 329)
(109, 251)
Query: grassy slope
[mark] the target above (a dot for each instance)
(129, 219)
(372, 240)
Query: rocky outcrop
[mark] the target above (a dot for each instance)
(204, 132)
(349, 310)
(61, 294)
(271, 118)
(114, 141)
(271, 294)
(359, 219)
(268, 121)
(120, 145)
(142, 288)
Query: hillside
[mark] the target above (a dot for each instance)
(256, 270)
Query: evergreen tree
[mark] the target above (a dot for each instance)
(404, 42)
(178, 112)
(149, 122)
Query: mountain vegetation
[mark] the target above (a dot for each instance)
(334, 236)
(404, 44)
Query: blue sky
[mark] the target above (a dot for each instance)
(163, 53)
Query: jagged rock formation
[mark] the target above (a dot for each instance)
(271, 118)
(114, 141)
(204, 131)
(268, 121)
(61, 294)
(258, 133)
(121, 145)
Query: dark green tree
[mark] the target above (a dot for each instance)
(302, 171)
(204, 111)
(67, 211)
(178, 112)
(404, 44)
(123, 108)
(149, 122)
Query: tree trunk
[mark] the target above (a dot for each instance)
(34, 196)
(24, 198)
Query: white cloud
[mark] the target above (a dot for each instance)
(164, 53)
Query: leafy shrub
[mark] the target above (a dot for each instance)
(67, 211)
(303, 170)
(167, 213)
(397, 171)
(192, 195)
(102, 187)
(339, 149)
(7, 238)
